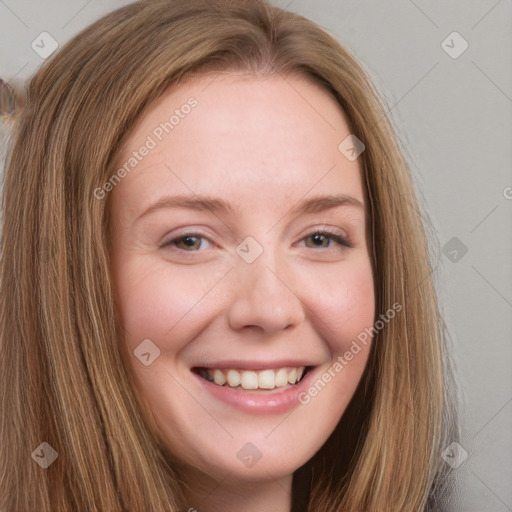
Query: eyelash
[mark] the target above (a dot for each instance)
(324, 231)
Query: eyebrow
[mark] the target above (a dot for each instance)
(197, 202)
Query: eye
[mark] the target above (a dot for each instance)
(189, 242)
(321, 238)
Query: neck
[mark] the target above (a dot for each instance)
(205, 494)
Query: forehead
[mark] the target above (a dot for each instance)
(239, 136)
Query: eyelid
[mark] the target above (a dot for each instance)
(182, 234)
(342, 239)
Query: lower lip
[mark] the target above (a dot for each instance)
(259, 402)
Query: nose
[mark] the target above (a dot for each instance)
(264, 297)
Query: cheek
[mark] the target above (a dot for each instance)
(160, 303)
(343, 310)
(343, 303)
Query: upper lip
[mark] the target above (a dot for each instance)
(255, 365)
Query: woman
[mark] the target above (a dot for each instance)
(170, 340)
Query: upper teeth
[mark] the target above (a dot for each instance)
(250, 379)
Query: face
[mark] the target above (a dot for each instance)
(241, 266)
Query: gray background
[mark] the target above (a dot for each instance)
(454, 118)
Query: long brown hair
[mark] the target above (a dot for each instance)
(62, 378)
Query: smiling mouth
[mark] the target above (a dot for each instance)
(253, 379)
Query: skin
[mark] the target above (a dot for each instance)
(263, 145)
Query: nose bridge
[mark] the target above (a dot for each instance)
(264, 295)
